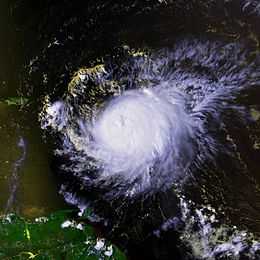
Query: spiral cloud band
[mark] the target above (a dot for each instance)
(138, 127)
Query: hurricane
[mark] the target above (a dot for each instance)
(159, 134)
(156, 122)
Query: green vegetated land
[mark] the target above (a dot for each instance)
(16, 101)
(54, 237)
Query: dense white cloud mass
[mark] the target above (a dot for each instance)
(141, 131)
